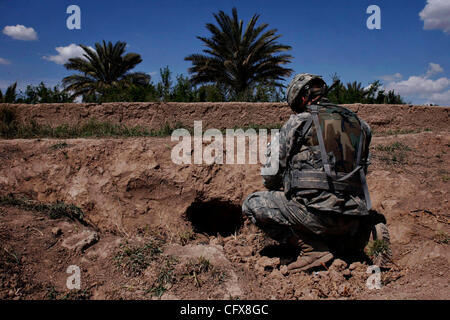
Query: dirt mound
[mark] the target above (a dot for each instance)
(152, 115)
(141, 231)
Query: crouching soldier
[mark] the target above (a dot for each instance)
(320, 190)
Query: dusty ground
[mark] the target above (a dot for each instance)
(143, 234)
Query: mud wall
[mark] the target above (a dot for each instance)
(155, 115)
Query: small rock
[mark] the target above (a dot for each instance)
(11, 293)
(276, 274)
(346, 273)
(355, 265)
(284, 270)
(244, 251)
(266, 264)
(338, 265)
(81, 241)
(56, 231)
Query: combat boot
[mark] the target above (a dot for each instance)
(314, 253)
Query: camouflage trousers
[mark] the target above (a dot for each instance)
(285, 220)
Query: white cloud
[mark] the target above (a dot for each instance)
(433, 68)
(4, 61)
(422, 87)
(65, 53)
(419, 84)
(391, 77)
(441, 98)
(20, 32)
(436, 15)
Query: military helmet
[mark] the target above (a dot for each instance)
(299, 86)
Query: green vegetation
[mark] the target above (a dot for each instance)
(354, 92)
(377, 248)
(35, 94)
(10, 95)
(200, 268)
(53, 294)
(395, 152)
(400, 131)
(12, 256)
(134, 259)
(197, 267)
(395, 146)
(239, 59)
(166, 278)
(53, 210)
(102, 69)
(11, 129)
(186, 236)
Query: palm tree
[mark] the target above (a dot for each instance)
(239, 59)
(10, 94)
(103, 68)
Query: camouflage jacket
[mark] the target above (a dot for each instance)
(299, 150)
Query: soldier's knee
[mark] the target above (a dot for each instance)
(247, 205)
(250, 205)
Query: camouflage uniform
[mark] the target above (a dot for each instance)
(301, 209)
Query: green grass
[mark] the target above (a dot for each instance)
(400, 131)
(165, 278)
(186, 236)
(376, 248)
(92, 128)
(197, 267)
(134, 259)
(53, 294)
(53, 210)
(10, 128)
(395, 146)
(394, 153)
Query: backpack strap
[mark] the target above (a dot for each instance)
(315, 116)
(362, 173)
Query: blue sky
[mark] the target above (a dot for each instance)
(409, 53)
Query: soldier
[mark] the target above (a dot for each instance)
(320, 189)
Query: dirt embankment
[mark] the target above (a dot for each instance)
(226, 115)
(155, 229)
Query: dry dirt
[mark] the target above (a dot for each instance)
(156, 230)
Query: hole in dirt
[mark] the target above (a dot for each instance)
(215, 217)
